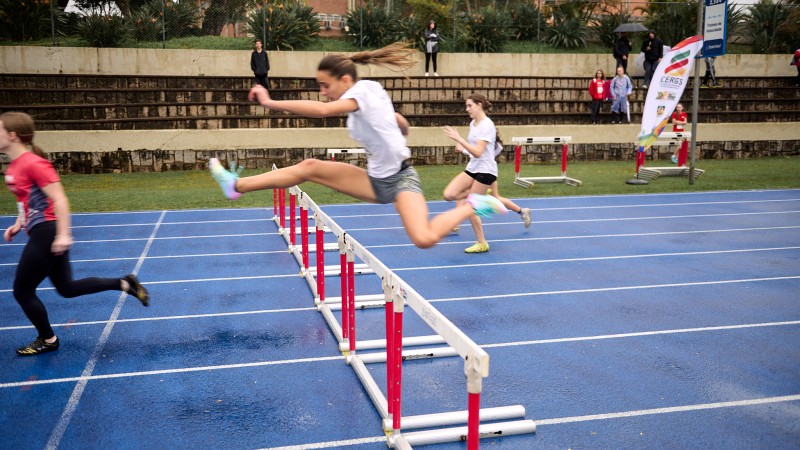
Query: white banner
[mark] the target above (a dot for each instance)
(669, 81)
(715, 24)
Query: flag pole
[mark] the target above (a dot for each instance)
(695, 97)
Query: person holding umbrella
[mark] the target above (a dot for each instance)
(622, 47)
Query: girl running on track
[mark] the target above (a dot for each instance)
(371, 120)
(482, 146)
(44, 213)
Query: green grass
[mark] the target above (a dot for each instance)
(195, 189)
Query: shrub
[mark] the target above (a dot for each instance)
(103, 30)
(527, 22)
(180, 20)
(673, 20)
(289, 26)
(773, 26)
(373, 26)
(487, 30)
(605, 26)
(26, 20)
(570, 24)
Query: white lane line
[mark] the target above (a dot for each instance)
(616, 288)
(434, 300)
(669, 410)
(168, 238)
(66, 415)
(198, 280)
(181, 317)
(86, 378)
(597, 258)
(150, 224)
(580, 208)
(346, 443)
(527, 239)
(642, 333)
(331, 358)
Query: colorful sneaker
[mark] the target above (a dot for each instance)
(526, 216)
(225, 178)
(477, 248)
(674, 159)
(37, 347)
(486, 205)
(136, 289)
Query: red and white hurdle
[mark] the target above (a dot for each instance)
(527, 182)
(669, 139)
(396, 295)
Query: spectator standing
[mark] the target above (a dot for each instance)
(653, 49)
(622, 48)
(259, 64)
(621, 89)
(597, 90)
(431, 47)
(711, 73)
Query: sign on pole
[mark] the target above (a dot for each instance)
(715, 26)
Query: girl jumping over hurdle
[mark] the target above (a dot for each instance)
(44, 213)
(482, 146)
(371, 120)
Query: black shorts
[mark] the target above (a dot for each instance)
(482, 178)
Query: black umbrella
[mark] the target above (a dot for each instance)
(630, 28)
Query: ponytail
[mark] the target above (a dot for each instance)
(397, 56)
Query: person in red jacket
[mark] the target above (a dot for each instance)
(796, 63)
(597, 90)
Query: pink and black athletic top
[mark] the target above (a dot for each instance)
(25, 177)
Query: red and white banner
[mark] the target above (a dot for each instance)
(667, 86)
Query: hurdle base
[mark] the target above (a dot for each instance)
(532, 181)
(637, 180)
(667, 171)
(523, 183)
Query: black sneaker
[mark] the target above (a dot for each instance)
(38, 346)
(136, 289)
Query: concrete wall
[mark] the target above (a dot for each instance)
(139, 61)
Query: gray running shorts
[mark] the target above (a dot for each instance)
(386, 189)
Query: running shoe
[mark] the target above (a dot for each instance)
(136, 289)
(226, 178)
(526, 216)
(477, 248)
(486, 205)
(674, 159)
(38, 346)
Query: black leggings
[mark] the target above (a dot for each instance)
(428, 57)
(38, 262)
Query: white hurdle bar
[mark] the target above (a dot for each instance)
(396, 295)
(332, 152)
(668, 139)
(531, 181)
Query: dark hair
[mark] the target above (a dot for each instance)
(21, 124)
(398, 55)
(259, 40)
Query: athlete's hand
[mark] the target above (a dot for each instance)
(61, 244)
(11, 231)
(258, 94)
(451, 133)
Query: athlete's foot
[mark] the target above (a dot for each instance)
(526, 216)
(38, 346)
(486, 205)
(226, 178)
(478, 247)
(136, 289)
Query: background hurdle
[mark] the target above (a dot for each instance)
(669, 139)
(332, 152)
(531, 181)
(395, 297)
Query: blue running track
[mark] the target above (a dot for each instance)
(618, 322)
